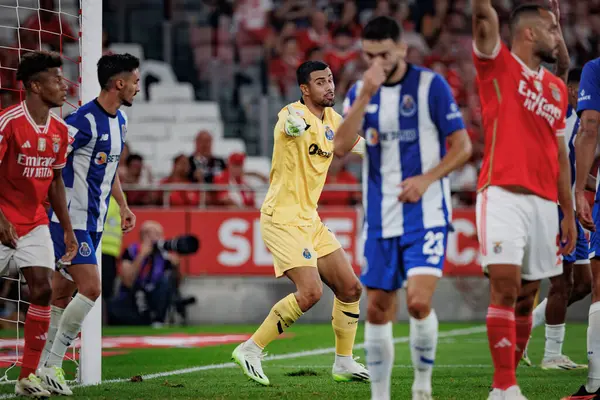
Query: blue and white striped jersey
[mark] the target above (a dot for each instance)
(589, 96)
(96, 142)
(405, 129)
(571, 132)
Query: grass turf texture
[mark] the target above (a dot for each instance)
(463, 368)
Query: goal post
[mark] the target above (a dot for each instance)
(90, 361)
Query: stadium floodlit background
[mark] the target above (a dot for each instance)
(214, 76)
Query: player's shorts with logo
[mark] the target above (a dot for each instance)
(518, 229)
(581, 253)
(296, 246)
(86, 253)
(389, 262)
(595, 236)
(33, 249)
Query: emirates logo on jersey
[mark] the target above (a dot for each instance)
(538, 104)
(36, 167)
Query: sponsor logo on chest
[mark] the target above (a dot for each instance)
(536, 101)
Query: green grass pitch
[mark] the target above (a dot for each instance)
(463, 368)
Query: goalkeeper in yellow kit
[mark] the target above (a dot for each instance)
(303, 248)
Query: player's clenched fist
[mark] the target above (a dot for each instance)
(584, 213)
(71, 246)
(373, 78)
(295, 125)
(8, 234)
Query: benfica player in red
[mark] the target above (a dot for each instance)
(33, 148)
(524, 172)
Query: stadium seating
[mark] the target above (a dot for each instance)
(169, 92)
(132, 48)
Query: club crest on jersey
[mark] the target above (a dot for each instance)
(372, 137)
(41, 144)
(498, 247)
(123, 132)
(555, 92)
(328, 133)
(408, 108)
(84, 249)
(100, 158)
(306, 254)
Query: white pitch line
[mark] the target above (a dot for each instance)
(407, 366)
(287, 356)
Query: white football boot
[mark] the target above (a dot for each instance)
(31, 387)
(53, 380)
(561, 362)
(250, 362)
(346, 369)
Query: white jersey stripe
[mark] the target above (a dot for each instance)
(9, 116)
(111, 169)
(429, 146)
(392, 217)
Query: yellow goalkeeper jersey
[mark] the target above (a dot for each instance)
(299, 167)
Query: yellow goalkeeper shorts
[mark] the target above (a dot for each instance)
(296, 246)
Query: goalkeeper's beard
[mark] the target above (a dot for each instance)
(326, 103)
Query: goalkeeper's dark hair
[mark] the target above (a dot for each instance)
(112, 65)
(525, 10)
(574, 75)
(308, 67)
(381, 28)
(32, 63)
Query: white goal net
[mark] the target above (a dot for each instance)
(72, 28)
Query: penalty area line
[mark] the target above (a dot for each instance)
(286, 356)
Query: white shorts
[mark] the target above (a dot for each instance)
(35, 249)
(519, 229)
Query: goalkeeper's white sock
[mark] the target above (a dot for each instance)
(423, 344)
(379, 347)
(539, 314)
(68, 328)
(55, 315)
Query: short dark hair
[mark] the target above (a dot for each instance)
(342, 30)
(133, 157)
(32, 63)
(308, 67)
(382, 28)
(574, 75)
(312, 50)
(525, 9)
(113, 64)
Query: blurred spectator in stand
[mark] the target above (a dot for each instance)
(338, 175)
(148, 279)
(316, 35)
(251, 18)
(315, 54)
(276, 43)
(282, 70)
(349, 20)
(297, 11)
(105, 44)
(181, 174)
(112, 238)
(433, 19)
(236, 192)
(343, 51)
(49, 26)
(203, 165)
(135, 175)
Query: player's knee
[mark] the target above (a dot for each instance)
(561, 286)
(308, 297)
(41, 292)
(377, 311)
(351, 293)
(418, 307)
(91, 291)
(504, 292)
(581, 290)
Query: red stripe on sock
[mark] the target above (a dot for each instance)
(523, 330)
(502, 338)
(36, 330)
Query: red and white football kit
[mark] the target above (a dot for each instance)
(523, 113)
(29, 154)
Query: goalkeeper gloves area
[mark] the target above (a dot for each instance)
(295, 125)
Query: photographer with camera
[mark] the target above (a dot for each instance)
(149, 278)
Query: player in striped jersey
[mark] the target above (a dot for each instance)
(97, 134)
(575, 282)
(415, 137)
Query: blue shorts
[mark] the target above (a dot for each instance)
(389, 262)
(595, 236)
(88, 243)
(581, 253)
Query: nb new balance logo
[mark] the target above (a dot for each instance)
(104, 137)
(504, 342)
(26, 145)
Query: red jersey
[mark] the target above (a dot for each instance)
(523, 113)
(28, 155)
